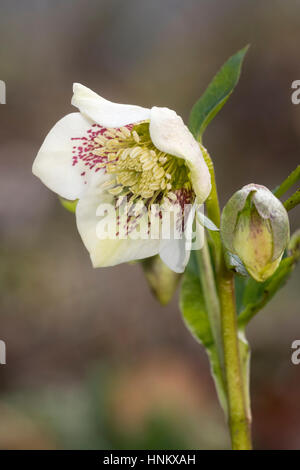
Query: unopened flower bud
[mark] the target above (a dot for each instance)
(255, 227)
(161, 279)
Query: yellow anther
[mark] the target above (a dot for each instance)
(145, 157)
(127, 178)
(136, 137)
(100, 140)
(125, 154)
(163, 184)
(155, 185)
(98, 152)
(172, 196)
(148, 165)
(158, 172)
(135, 152)
(146, 194)
(125, 131)
(115, 191)
(110, 133)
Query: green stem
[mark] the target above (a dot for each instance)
(211, 297)
(288, 182)
(239, 421)
(213, 208)
(212, 202)
(292, 201)
(237, 384)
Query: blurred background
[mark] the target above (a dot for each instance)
(92, 360)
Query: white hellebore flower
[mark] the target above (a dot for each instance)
(109, 152)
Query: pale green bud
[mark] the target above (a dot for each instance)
(161, 279)
(255, 227)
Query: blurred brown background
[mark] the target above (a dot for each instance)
(92, 360)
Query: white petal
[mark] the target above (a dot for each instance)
(269, 206)
(53, 163)
(175, 253)
(170, 135)
(104, 112)
(108, 251)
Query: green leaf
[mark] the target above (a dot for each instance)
(192, 305)
(240, 285)
(69, 205)
(245, 357)
(216, 94)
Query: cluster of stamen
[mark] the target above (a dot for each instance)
(139, 171)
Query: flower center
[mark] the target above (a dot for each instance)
(139, 170)
(140, 174)
(138, 167)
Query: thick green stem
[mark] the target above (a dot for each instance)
(237, 384)
(239, 421)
